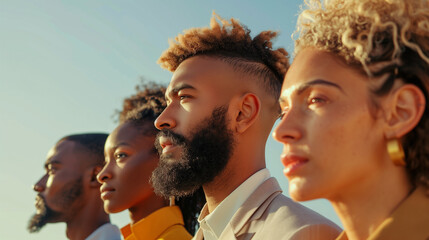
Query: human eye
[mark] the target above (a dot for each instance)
(120, 155)
(284, 111)
(51, 170)
(183, 97)
(317, 100)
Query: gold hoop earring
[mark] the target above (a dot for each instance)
(172, 201)
(396, 152)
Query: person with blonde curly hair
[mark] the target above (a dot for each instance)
(221, 106)
(355, 117)
(131, 156)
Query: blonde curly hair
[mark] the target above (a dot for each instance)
(231, 42)
(378, 37)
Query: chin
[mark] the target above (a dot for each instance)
(300, 192)
(110, 208)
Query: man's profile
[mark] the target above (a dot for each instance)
(222, 102)
(69, 192)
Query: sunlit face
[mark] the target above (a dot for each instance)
(195, 126)
(61, 189)
(198, 86)
(130, 160)
(331, 142)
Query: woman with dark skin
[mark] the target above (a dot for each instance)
(355, 118)
(130, 159)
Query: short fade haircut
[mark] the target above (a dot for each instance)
(231, 42)
(92, 142)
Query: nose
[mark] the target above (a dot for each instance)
(288, 130)
(165, 120)
(40, 185)
(104, 174)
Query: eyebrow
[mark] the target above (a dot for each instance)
(116, 146)
(112, 149)
(51, 162)
(179, 88)
(306, 85)
(121, 144)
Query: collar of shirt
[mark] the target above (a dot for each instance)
(155, 224)
(214, 223)
(105, 231)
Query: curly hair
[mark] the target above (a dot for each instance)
(378, 37)
(231, 42)
(141, 110)
(146, 92)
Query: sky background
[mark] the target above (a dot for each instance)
(66, 66)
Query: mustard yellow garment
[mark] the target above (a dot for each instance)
(163, 224)
(409, 221)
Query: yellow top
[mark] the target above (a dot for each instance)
(409, 221)
(163, 224)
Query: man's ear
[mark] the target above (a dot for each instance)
(249, 106)
(93, 181)
(406, 108)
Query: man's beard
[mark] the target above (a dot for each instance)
(203, 156)
(64, 199)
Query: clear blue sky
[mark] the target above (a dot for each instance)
(65, 66)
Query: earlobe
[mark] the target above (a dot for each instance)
(406, 109)
(95, 171)
(249, 108)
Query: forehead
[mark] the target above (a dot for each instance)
(130, 134)
(65, 152)
(312, 64)
(202, 72)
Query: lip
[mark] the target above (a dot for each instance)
(292, 163)
(166, 145)
(106, 192)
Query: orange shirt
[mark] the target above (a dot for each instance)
(409, 221)
(163, 224)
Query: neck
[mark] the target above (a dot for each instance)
(364, 206)
(146, 207)
(240, 167)
(86, 220)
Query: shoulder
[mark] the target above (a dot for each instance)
(285, 219)
(316, 232)
(285, 208)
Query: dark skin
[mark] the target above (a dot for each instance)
(130, 160)
(67, 162)
(199, 85)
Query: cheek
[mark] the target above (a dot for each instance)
(133, 182)
(343, 133)
(54, 184)
(51, 190)
(343, 149)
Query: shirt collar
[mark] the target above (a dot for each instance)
(155, 224)
(214, 223)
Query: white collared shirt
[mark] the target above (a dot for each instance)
(104, 232)
(213, 224)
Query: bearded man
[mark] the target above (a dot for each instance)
(69, 191)
(222, 102)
